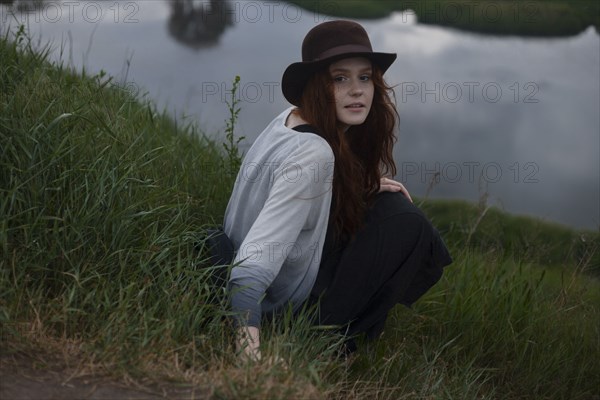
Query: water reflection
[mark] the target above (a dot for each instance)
(199, 24)
(539, 158)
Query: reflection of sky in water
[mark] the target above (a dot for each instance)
(554, 143)
(547, 152)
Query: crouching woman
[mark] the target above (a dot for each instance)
(314, 215)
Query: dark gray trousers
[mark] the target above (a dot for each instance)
(394, 258)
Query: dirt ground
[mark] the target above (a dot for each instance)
(24, 378)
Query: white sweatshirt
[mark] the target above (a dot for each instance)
(277, 220)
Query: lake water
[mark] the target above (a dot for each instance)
(516, 117)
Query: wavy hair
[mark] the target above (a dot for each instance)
(363, 153)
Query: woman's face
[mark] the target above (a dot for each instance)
(353, 89)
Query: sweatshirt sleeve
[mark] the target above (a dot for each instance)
(299, 185)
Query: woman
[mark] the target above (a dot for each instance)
(312, 215)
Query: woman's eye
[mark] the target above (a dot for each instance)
(339, 78)
(365, 77)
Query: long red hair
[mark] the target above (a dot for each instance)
(363, 153)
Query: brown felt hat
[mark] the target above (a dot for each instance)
(324, 44)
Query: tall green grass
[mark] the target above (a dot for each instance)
(528, 239)
(103, 201)
(103, 205)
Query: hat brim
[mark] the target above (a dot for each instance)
(297, 74)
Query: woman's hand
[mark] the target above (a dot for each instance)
(390, 185)
(248, 343)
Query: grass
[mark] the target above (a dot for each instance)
(496, 17)
(103, 205)
(525, 238)
(493, 328)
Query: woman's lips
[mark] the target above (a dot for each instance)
(355, 107)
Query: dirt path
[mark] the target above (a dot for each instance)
(22, 379)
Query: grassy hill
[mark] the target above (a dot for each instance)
(103, 204)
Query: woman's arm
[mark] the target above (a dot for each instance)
(297, 190)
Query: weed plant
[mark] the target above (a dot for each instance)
(103, 205)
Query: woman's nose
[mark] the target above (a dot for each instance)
(356, 88)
